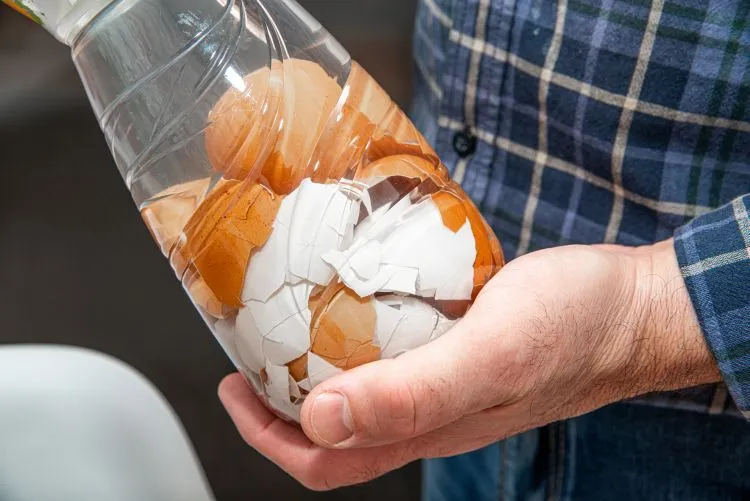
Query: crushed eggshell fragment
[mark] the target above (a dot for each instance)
(409, 166)
(406, 323)
(206, 299)
(167, 213)
(271, 122)
(417, 254)
(298, 368)
(318, 370)
(277, 386)
(322, 221)
(343, 328)
(233, 221)
(282, 323)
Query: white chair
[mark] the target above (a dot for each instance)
(77, 425)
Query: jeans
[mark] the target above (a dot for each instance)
(618, 453)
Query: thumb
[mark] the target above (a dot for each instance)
(396, 399)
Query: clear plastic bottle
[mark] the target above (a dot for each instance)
(306, 217)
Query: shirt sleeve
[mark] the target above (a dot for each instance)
(713, 251)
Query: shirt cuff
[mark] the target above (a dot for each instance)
(713, 251)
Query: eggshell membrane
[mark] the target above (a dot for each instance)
(234, 220)
(169, 213)
(300, 94)
(343, 328)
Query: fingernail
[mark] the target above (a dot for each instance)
(331, 418)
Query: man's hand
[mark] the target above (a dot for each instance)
(555, 334)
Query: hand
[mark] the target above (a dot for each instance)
(555, 334)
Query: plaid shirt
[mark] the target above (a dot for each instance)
(589, 121)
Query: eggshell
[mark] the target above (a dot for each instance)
(343, 328)
(285, 106)
(364, 94)
(409, 166)
(268, 268)
(341, 147)
(207, 300)
(282, 323)
(490, 258)
(224, 331)
(229, 225)
(167, 213)
(417, 254)
(249, 341)
(277, 386)
(298, 368)
(322, 220)
(318, 370)
(406, 323)
(394, 133)
(452, 210)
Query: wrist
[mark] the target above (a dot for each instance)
(672, 351)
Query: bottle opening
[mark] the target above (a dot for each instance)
(63, 18)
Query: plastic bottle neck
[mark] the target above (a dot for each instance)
(63, 18)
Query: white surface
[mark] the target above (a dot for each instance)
(80, 426)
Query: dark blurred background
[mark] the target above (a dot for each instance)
(78, 267)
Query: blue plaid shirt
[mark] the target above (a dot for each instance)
(589, 121)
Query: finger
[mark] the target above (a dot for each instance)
(394, 400)
(287, 446)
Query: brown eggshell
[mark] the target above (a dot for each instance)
(206, 299)
(341, 147)
(404, 165)
(490, 258)
(395, 133)
(343, 328)
(452, 210)
(169, 213)
(234, 220)
(296, 99)
(298, 368)
(455, 209)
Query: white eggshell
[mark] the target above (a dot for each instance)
(288, 409)
(421, 240)
(226, 335)
(407, 323)
(305, 384)
(365, 226)
(277, 385)
(267, 268)
(323, 217)
(249, 341)
(255, 381)
(413, 252)
(224, 330)
(277, 330)
(318, 370)
(294, 391)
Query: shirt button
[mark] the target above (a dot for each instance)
(465, 143)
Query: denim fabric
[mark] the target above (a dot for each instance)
(623, 452)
